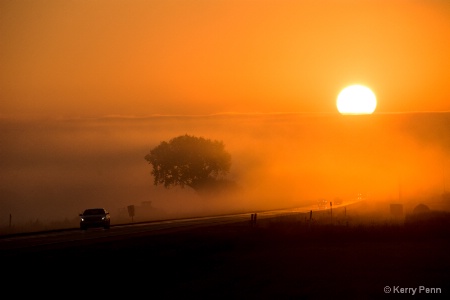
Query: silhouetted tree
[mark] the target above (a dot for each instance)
(191, 161)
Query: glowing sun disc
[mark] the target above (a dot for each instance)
(356, 100)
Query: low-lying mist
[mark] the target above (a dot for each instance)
(54, 169)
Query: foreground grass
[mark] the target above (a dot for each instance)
(435, 224)
(289, 257)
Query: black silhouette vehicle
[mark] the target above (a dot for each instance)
(95, 217)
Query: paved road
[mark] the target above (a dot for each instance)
(32, 242)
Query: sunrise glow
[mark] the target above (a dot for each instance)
(356, 100)
(267, 139)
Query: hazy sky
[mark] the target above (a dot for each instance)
(133, 57)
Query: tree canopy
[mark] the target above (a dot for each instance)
(190, 161)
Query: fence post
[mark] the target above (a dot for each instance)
(310, 219)
(331, 211)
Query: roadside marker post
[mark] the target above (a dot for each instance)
(253, 219)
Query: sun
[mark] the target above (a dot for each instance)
(356, 100)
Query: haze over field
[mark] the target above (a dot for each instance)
(88, 88)
(54, 169)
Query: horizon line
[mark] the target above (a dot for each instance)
(156, 115)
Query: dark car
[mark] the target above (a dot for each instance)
(95, 217)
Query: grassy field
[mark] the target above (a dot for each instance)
(288, 257)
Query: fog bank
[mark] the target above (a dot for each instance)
(54, 169)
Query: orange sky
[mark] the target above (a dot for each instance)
(135, 57)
